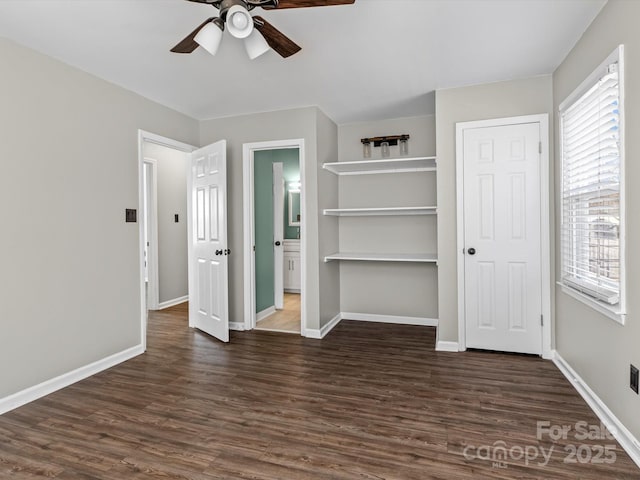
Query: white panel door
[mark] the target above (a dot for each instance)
(278, 234)
(502, 261)
(208, 252)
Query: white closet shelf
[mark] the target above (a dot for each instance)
(387, 165)
(385, 257)
(364, 212)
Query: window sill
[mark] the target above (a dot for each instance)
(612, 312)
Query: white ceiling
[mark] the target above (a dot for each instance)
(373, 60)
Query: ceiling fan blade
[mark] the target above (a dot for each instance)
(275, 38)
(309, 3)
(188, 44)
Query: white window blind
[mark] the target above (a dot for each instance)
(591, 185)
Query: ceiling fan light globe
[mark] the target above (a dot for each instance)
(239, 22)
(209, 38)
(256, 45)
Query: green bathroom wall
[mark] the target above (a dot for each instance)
(263, 208)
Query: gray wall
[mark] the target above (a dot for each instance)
(388, 289)
(480, 102)
(327, 226)
(599, 349)
(281, 125)
(69, 287)
(172, 237)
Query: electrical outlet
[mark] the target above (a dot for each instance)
(633, 383)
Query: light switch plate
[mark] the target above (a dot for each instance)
(131, 215)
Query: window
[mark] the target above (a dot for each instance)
(592, 151)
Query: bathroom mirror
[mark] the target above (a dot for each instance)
(294, 208)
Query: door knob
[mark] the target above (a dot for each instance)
(471, 251)
(278, 243)
(218, 252)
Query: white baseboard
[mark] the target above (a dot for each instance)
(442, 346)
(323, 332)
(330, 326)
(613, 424)
(49, 386)
(173, 303)
(265, 313)
(291, 290)
(313, 333)
(237, 326)
(369, 317)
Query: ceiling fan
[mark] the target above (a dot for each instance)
(258, 34)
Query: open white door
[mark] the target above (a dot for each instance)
(146, 178)
(278, 234)
(150, 226)
(502, 237)
(208, 252)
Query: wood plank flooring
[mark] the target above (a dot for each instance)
(285, 320)
(370, 401)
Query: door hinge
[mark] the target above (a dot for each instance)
(542, 320)
(540, 147)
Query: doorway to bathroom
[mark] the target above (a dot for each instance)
(277, 230)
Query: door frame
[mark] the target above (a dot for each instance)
(149, 137)
(545, 219)
(248, 152)
(153, 289)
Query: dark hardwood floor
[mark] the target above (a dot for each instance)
(370, 401)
